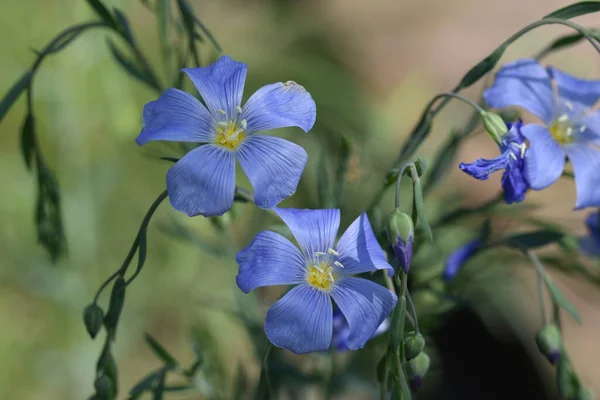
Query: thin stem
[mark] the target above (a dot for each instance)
(541, 277)
(399, 180)
(413, 311)
(386, 376)
(264, 383)
(461, 98)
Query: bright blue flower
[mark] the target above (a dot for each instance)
(203, 181)
(341, 330)
(302, 320)
(590, 244)
(512, 151)
(458, 258)
(570, 124)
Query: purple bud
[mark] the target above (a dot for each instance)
(401, 231)
(549, 342)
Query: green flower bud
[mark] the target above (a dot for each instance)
(413, 345)
(549, 341)
(416, 370)
(105, 389)
(494, 125)
(93, 318)
(401, 231)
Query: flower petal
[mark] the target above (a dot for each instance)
(458, 258)
(301, 321)
(176, 116)
(590, 246)
(523, 83)
(359, 250)
(514, 184)
(365, 305)
(269, 260)
(221, 84)
(544, 158)
(581, 93)
(274, 167)
(586, 164)
(592, 223)
(280, 105)
(203, 181)
(483, 167)
(315, 230)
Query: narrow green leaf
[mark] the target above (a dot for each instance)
(532, 240)
(48, 214)
(397, 323)
(145, 384)
(482, 68)
(28, 140)
(264, 382)
(129, 65)
(561, 300)
(567, 382)
(420, 205)
(102, 11)
(159, 389)
(575, 10)
(123, 26)
(13, 93)
(383, 369)
(565, 41)
(117, 300)
(160, 351)
(163, 11)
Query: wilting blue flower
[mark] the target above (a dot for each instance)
(458, 258)
(341, 330)
(203, 181)
(571, 124)
(590, 244)
(512, 151)
(302, 320)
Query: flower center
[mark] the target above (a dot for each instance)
(562, 130)
(320, 276)
(230, 132)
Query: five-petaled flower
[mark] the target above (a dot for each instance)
(512, 151)
(203, 181)
(302, 320)
(590, 244)
(571, 124)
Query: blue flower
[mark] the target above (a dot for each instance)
(458, 258)
(512, 151)
(341, 330)
(590, 244)
(302, 320)
(203, 181)
(570, 124)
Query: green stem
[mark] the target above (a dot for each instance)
(412, 167)
(540, 282)
(457, 96)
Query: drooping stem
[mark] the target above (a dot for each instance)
(410, 165)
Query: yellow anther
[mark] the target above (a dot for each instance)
(320, 276)
(333, 252)
(224, 124)
(238, 109)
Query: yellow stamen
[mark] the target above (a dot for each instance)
(561, 130)
(333, 252)
(229, 134)
(321, 276)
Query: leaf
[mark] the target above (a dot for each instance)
(117, 300)
(397, 323)
(565, 41)
(163, 11)
(13, 93)
(123, 26)
(102, 11)
(28, 140)
(482, 68)
(129, 65)
(560, 299)
(145, 384)
(160, 351)
(93, 318)
(532, 240)
(48, 215)
(420, 205)
(160, 386)
(264, 383)
(575, 10)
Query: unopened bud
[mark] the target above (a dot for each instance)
(416, 370)
(413, 345)
(93, 317)
(494, 125)
(401, 231)
(549, 341)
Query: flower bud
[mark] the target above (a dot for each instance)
(494, 125)
(416, 370)
(413, 345)
(93, 318)
(548, 340)
(401, 231)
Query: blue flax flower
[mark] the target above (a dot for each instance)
(512, 152)
(341, 330)
(458, 258)
(570, 124)
(590, 244)
(302, 320)
(203, 181)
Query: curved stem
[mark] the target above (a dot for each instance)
(461, 98)
(399, 179)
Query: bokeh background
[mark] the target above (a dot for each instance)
(371, 66)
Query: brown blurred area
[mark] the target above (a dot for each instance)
(399, 53)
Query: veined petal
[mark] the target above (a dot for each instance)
(586, 164)
(365, 305)
(301, 321)
(544, 158)
(514, 185)
(203, 181)
(221, 84)
(274, 167)
(482, 167)
(523, 83)
(458, 258)
(269, 260)
(359, 250)
(576, 90)
(314, 230)
(280, 105)
(176, 116)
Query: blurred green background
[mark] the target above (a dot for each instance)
(371, 67)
